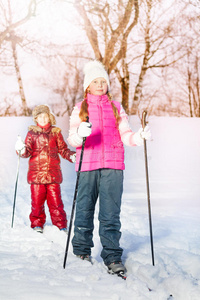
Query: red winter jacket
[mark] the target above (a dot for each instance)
(43, 146)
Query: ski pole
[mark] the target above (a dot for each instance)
(74, 200)
(15, 193)
(144, 114)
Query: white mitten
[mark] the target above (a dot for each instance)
(73, 157)
(19, 145)
(146, 133)
(84, 129)
(140, 135)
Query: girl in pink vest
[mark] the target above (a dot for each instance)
(102, 166)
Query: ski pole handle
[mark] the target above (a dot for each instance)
(90, 125)
(144, 114)
(83, 145)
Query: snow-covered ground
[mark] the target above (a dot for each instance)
(32, 264)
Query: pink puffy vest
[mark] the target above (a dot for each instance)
(103, 148)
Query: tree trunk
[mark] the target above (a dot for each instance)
(138, 89)
(190, 93)
(25, 109)
(125, 94)
(124, 83)
(197, 86)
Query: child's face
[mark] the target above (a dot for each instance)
(98, 86)
(43, 119)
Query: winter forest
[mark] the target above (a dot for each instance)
(151, 51)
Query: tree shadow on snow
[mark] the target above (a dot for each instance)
(132, 243)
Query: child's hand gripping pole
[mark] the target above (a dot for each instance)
(75, 194)
(144, 114)
(20, 146)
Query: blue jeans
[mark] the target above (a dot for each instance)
(108, 185)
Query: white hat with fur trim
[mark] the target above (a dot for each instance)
(43, 109)
(92, 70)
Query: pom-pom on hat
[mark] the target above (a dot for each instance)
(92, 70)
(43, 109)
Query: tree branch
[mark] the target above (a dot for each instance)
(90, 31)
(11, 27)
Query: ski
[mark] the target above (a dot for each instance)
(120, 274)
(123, 275)
(170, 297)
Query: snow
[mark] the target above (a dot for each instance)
(32, 263)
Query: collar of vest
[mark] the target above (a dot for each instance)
(97, 99)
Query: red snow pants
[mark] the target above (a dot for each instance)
(52, 193)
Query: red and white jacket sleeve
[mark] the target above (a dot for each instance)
(74, 139)
(127, 135)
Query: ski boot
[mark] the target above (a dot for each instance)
(38, 229)
(118, 269)
(84, 257)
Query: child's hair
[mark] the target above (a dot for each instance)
(84, 109)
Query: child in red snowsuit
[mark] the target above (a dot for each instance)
(43, 144)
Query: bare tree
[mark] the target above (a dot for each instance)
(69, 87)
(9, 36)
(161, 45)
(193, 60)
(109, 23)
(185, 73)
(144, 45)
(189, 71)
(10, 27)
(112, 28)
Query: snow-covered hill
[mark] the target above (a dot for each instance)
(32, 264)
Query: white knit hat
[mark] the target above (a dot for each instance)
(92, 70)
